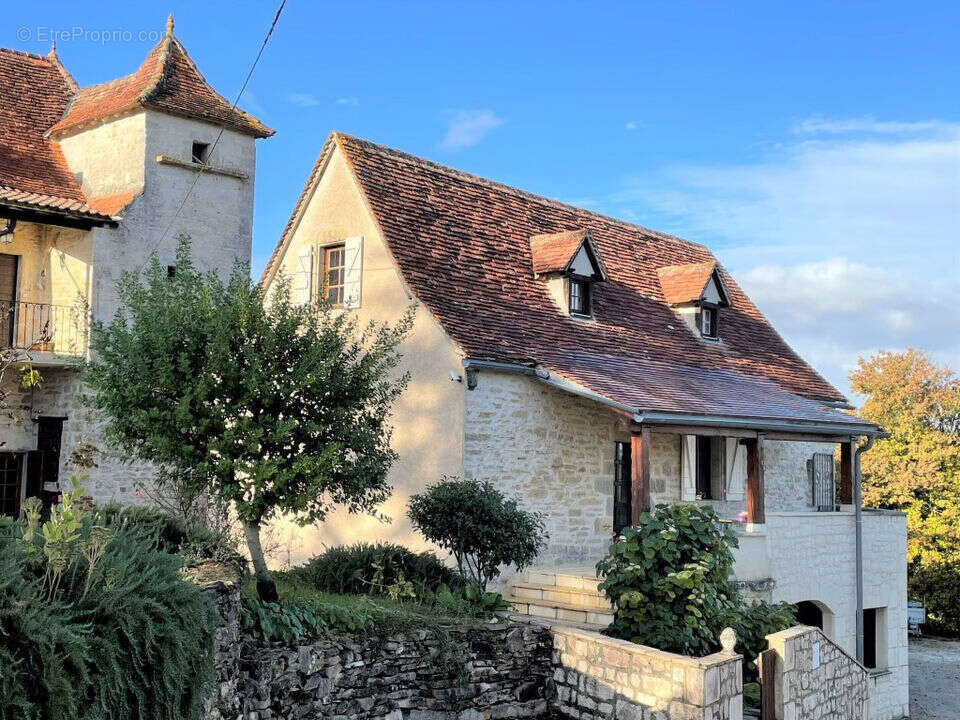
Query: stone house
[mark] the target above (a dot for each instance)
(92, 180)
(594, 368)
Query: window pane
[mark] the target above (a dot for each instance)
(334, 274)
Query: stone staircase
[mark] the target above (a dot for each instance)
(569, 596)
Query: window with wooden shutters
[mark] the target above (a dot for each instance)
(822, 475)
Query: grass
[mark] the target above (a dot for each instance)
(304, 611)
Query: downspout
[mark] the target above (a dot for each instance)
(858, 514)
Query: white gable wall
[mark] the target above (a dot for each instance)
(710, 293)
(428, 418)
(582, 264)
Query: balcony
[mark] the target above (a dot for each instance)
(44, 333)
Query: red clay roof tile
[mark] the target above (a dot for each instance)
(463, 246)
(33, 95)
(554, 251)
(685, 283)
(167, 81)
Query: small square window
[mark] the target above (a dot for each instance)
(708, 322)
(579, 297)
(200, 152)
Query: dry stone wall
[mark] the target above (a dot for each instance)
(505, 669)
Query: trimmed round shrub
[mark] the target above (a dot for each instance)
(373, 569)
(125, 638)
(479, 525)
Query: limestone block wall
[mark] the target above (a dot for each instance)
(553, 451)
(814, 678)
(600, 676)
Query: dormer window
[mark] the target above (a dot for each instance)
(696, 293)
(569, 265)
(200, 152)
(579, 299)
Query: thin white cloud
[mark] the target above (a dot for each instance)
(849, 244)
(823, 126)
(347, 101)
(631, 125)
(468, 127)
(303, 99)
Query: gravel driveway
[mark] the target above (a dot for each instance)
(934, 679)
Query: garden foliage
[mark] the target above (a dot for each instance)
(382, 568)
(483, 529)
(669, 580)
(97, 623)
(195, 543)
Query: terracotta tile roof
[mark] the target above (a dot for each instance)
(553, 252)
(167, 81)
(68, 207)
(38, 97)
(685, 283)
(34, 92)
(463, 246)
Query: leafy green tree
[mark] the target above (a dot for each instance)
(916, 469)
(261, 403)
(482, 528)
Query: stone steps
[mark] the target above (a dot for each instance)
(569, 597)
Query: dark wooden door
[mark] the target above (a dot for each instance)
(622, 490)
(8, 298)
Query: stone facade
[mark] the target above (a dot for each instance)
(555, 451)
(552, 450)
(815, 679)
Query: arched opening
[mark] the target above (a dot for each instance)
(815, 614)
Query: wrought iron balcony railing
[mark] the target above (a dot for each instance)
(44, 328)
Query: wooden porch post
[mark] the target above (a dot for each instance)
(847, 455)
(639, 474)
(755, 512)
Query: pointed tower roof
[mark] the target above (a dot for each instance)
(167, 81)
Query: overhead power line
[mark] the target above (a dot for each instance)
(213, 147)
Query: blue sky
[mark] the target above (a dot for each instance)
(815, 147)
